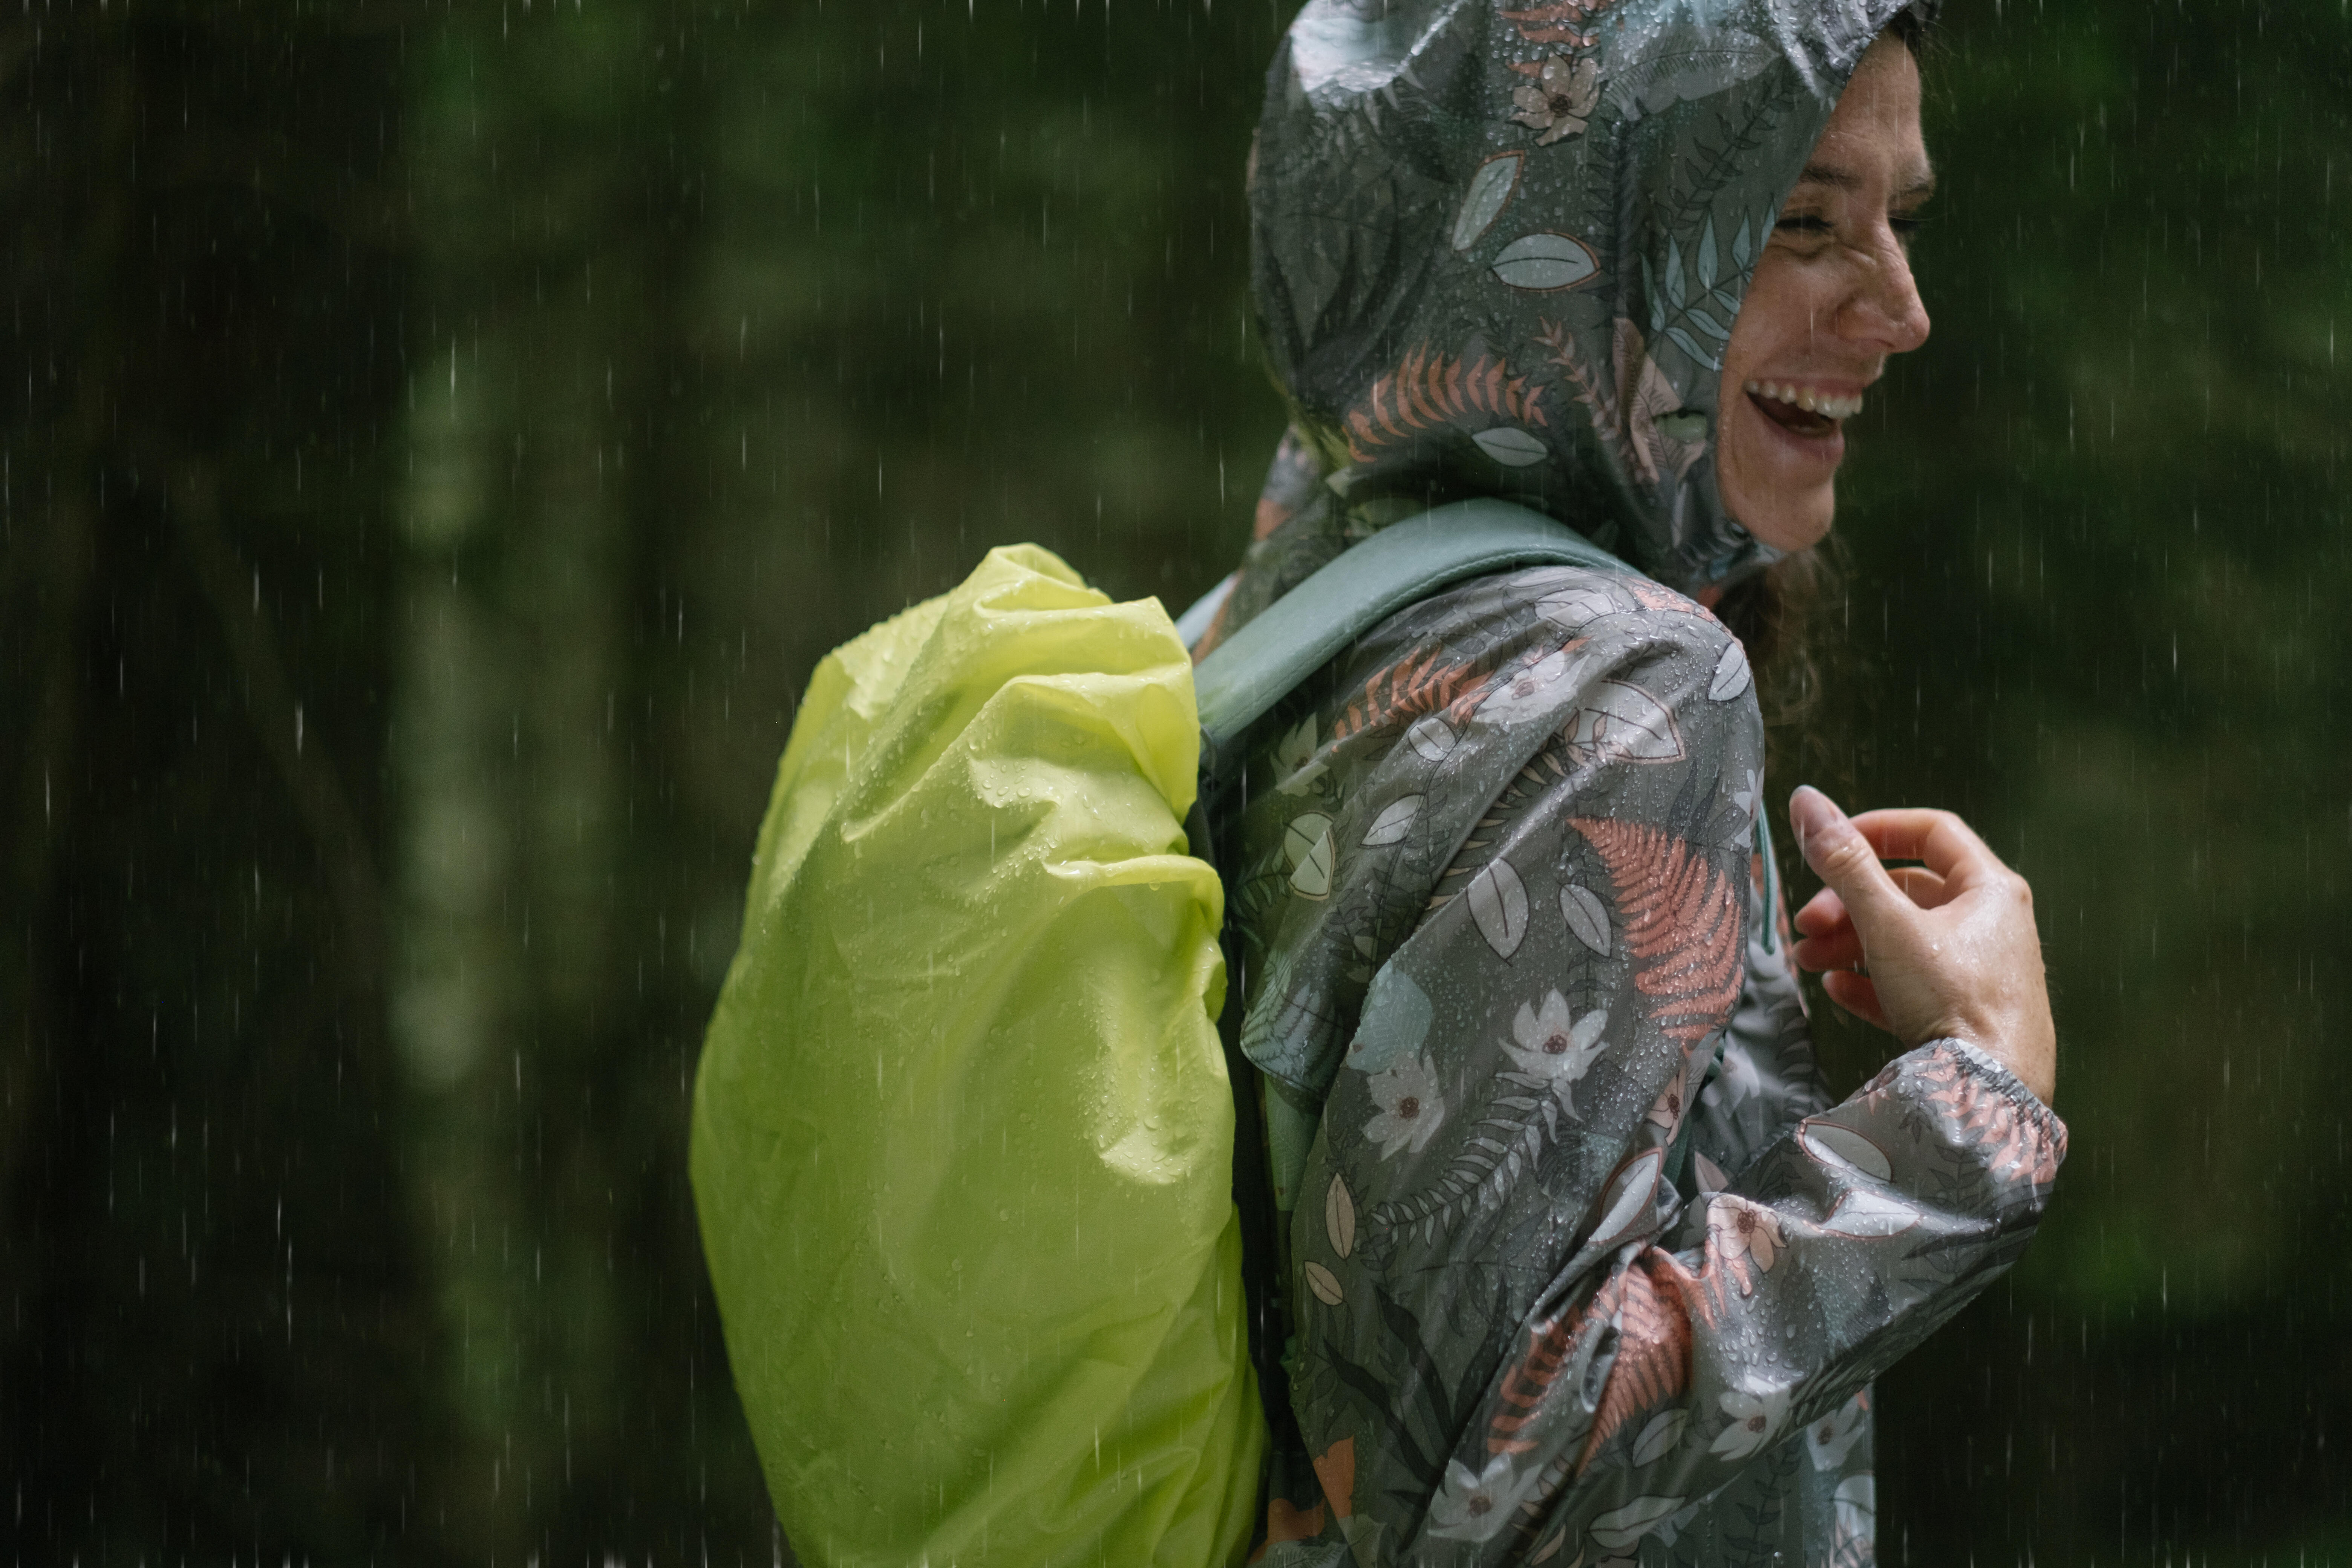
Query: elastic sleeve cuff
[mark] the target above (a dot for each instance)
(1982, 1102)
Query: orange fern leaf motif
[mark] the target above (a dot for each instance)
(1625, 411)
(1336, 1470)
(1653, 1354)
(1541, 24)
(1681, 924)
(1430, 390)
(1405, 691)
(1525, 1383)
(2016, 1147)
(1653, 1365)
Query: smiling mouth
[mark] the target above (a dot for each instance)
(1800, 410)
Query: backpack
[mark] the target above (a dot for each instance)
(964, 1142)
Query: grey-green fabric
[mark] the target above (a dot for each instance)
(1584, 1262)
(1498, 249)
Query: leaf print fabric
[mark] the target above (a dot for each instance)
(1498, 904)
(1583, 1264)
(1584, 1261)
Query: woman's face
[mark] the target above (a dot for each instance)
(1831, 299)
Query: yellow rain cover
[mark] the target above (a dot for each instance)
(963, 1140)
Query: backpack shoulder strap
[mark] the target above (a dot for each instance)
(1262, 663)
(1234, 686)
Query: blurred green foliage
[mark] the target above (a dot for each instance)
(447, 435)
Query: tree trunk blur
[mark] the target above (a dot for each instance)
(200, 1178)
(441, 436)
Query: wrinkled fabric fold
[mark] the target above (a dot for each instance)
(1584, 1255)
(1585, 1263)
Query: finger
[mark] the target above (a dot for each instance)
(1822, 913)
(1921, 886)
(1840, 951)
(1945, 844)
(1841, 857)
(1857, 995)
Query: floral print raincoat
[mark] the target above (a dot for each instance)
(1583, 1264)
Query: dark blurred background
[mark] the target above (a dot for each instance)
(437, 440)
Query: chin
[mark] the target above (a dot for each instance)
(1794, 523)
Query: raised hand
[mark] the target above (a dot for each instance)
(1944, 949)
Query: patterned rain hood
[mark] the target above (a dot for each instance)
(1498, 251)
(1583, 1261)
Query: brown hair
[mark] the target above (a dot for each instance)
(1773, 612)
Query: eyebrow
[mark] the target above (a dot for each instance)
(1846, 179)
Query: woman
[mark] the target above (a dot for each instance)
(1582, 1262)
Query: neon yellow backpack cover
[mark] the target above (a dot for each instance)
(964, 1134)
(964, 1149)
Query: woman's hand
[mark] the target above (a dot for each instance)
(1943, 950)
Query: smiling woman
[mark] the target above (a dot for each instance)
(1610, 1246)
(1831, 297)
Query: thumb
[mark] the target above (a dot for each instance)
(1841, 857)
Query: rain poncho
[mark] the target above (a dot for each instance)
(1583, 1264)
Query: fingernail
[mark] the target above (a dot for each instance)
(1818, 822)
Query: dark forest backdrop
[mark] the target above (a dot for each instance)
(437, 440)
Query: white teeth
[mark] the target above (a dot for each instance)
(1827, 405)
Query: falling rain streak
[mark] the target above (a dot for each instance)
(448, 437)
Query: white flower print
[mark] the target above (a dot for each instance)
(1295, 759)
(1741, 1232)
(1553, 1048)
(1411, 1106)
(1831, 1439)
(1668, 1111)
(1476, 1507)
(1755, 1420)
(1529, 691)
(1561, 100)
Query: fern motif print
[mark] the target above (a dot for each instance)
(1585, 1261)
(1585, 1264)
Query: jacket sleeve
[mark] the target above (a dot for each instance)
(1524, 1333)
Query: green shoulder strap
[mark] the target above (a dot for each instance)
(1234, 686)
(1262, 663)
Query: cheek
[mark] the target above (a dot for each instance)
(1772, 311)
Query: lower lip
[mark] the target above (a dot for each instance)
(1826, 451)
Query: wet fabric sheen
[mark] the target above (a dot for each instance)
(1583, 1264)
(1582, 1256)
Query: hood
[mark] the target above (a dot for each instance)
(1498, 248)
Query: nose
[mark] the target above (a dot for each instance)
(1884, 308)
